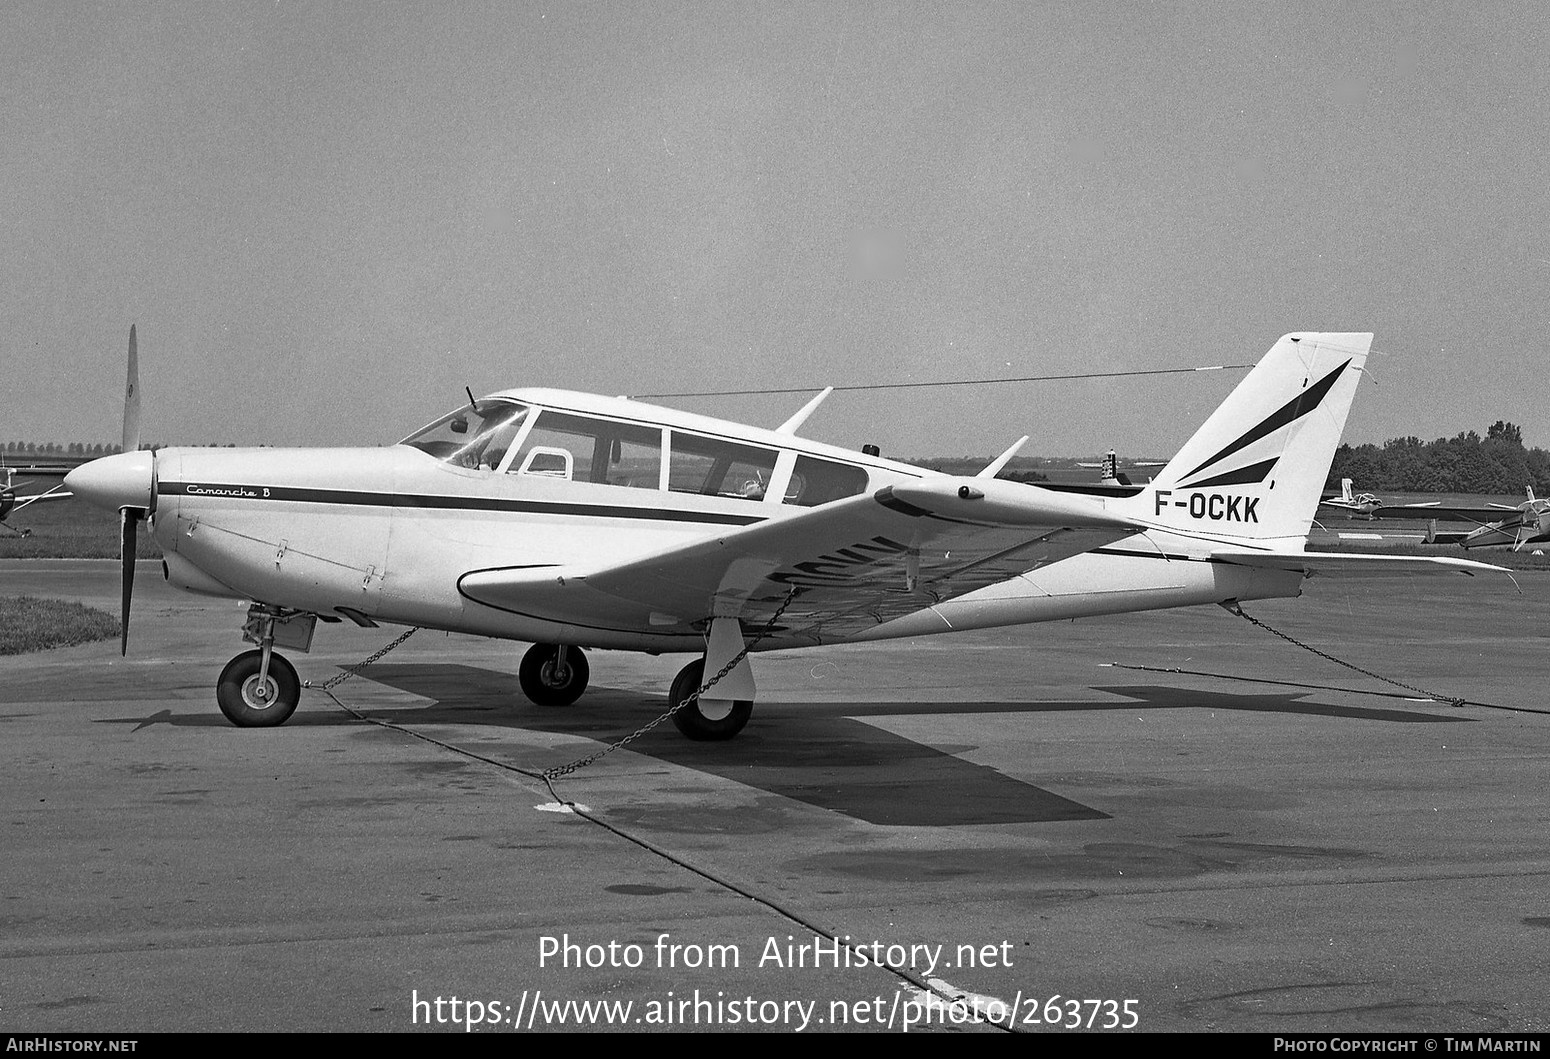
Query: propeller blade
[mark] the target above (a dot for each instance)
(131, 520)
(132, 397)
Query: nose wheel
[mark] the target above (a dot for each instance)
(252, 698)
(553, 674)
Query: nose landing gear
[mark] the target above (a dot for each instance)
(260, 689)
(255, 692)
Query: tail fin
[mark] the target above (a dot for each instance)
(1111, 471)
(1257, 468)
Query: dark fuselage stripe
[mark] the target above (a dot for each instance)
(358, 498)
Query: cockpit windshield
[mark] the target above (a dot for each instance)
(474, 436)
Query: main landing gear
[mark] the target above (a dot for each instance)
(556, 675)
(553, 674)
(706, 720)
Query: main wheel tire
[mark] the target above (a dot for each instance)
(544, 684)
(237, 691)
(692, 721)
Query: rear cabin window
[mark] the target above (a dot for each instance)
(712, 467)
(815, 481)
(582, 449)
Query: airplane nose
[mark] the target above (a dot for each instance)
(115, 482)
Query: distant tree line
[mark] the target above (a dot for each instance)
(1467, 463)
(81, 450)
(1020, 469)
(75, 448)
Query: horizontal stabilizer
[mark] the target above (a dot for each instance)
(1330, 563)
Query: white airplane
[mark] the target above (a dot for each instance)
(1358, 503)
(570, 520)
(1372, 506)
(1529, 523)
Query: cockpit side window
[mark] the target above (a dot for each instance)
(473, 436)
(713, 467)
(600, 451)
(815, 481)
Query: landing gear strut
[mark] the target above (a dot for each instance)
(260, 689)
(553, 674)
(706, 720)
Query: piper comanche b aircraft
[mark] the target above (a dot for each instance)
(569, 520)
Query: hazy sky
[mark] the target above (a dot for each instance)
(327, 218)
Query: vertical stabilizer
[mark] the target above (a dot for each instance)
(1256, 469)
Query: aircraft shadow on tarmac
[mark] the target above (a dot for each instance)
(823, 754)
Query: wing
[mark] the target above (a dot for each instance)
(845, 566)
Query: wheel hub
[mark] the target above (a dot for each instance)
(259, 695)
(714, 709)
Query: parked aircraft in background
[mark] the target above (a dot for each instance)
(570, 520)
(1110, 472)
(1373, 507)
(1357, 503)
(12, 502)
(1528, 524)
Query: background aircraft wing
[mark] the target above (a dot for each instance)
(23, 501)
(852, 564)
(1478, 515)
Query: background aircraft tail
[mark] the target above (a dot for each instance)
(1111, 471)
(1256, 469)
